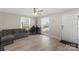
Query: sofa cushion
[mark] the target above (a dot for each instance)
(1, 48)
(7, 37)
(19, 35)
(0, 34)
(16, 31)
(7, 32)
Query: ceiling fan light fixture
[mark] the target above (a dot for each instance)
(34, 13)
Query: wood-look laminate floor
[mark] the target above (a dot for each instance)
(38, 43)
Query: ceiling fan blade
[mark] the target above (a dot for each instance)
(39, 13)
(40, 10)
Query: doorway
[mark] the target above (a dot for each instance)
(45, 25)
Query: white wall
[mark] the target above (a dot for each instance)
(55, 26)
(78, 30)
(11, 21)
(1, 21)
(74, 17)
(69, 31)
(75, 29)
(36, 21)
(33, 21)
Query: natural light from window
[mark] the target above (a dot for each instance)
(45, 25)
(25, 23)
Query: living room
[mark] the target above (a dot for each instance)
(58, 33)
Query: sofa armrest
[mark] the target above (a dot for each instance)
(0, 40)
(0, 37)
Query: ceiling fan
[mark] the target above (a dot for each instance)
(36, 11)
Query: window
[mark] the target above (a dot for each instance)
(25, 23)
(45, 25)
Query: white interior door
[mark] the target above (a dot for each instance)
(69, 28)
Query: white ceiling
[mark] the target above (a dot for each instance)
(28, 11)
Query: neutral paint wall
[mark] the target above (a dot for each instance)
(78, 31)
(75, 29)
(69, 32)
(32, 21)
(11, 21)
(38, 20)
(55, 26)
(1, 21)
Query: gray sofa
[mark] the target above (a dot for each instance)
(9, 35)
